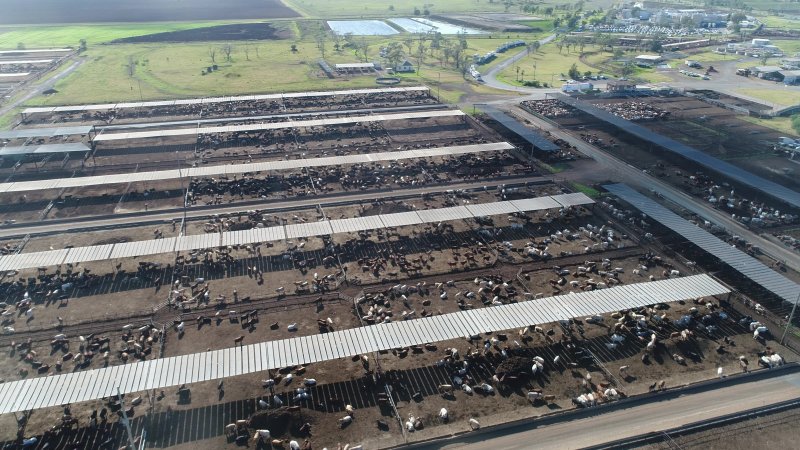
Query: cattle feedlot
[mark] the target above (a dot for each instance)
(356, 297)
(296, 224)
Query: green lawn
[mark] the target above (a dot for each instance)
(174, 70)
(69, 35)
(549, 66)
(782, 124)
(779, 95)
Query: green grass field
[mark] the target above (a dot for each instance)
(70, 35)
(782, 124)
(549, 66)
(778, 95)
(165, 71)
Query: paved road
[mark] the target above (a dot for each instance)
(490, 77)
(37, 88)
(627, 422)
(621, 170)
(143, 218)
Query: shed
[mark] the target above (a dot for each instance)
(648, 60)
(620, 86)
(405, 67)
(791, 76)
(768, 72)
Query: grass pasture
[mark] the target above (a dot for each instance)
(778, 95)
(782, 124)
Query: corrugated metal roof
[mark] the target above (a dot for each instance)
(230, 169)
(198, 101)
(293, 231)
(44, 149)
(55, 390)
(44, 132)
(709, 162)
(536, 139)
(737, 259)
(274, 125)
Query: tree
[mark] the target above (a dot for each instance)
(420, 56)
(574, 73)
(81, 45)
(247, 52)
(212, 53)
(321, 39)
(618, 53)
(535, 46)
(227, 49)
(394, 54)
(796, 123)
(294, 48)
(627, 69)
(408, 42)
(20, 46)
(130, 68)
(364, 44)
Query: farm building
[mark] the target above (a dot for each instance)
(790, 63)
(648, 60)
(620, 86)
(405, 67)
(768, 72)
(355, 67)
(791, 76)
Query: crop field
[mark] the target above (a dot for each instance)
(98, 11)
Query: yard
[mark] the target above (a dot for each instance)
(779, 95)
(782, 124)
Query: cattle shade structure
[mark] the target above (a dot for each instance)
(234, 169)
(25, 61)
(275, 125)
(292, 231)
(534, 138)
(44, 149)
(737, 174)
(24, 133)
(201, 101)
(55, 390)
(35, 50)
(737, 259)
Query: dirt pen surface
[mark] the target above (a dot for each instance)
(95, 11)
(115, 312)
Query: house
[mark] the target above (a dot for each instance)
(620, 86)
(405, 67)
(647, 60)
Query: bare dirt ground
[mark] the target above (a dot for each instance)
(776, 430)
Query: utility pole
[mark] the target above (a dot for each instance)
(791, 316)
(125, 420)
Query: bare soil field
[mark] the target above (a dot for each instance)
(93, 11)
(232, 32)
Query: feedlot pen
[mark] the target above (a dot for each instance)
(303, 287)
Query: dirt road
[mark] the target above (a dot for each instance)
(627, 422)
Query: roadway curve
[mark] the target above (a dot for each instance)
(626, 422)
(621, 170)
(37, 88)
(490, 77)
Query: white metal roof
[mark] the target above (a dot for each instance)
(25, 61)
(739, 260)
(14, 74)
(574, 199)
(43, 149)
(55, 390)
(197, 101)
(273, 125)
(356, 66)
(230, 169)
(292, 231)
(35, 50)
